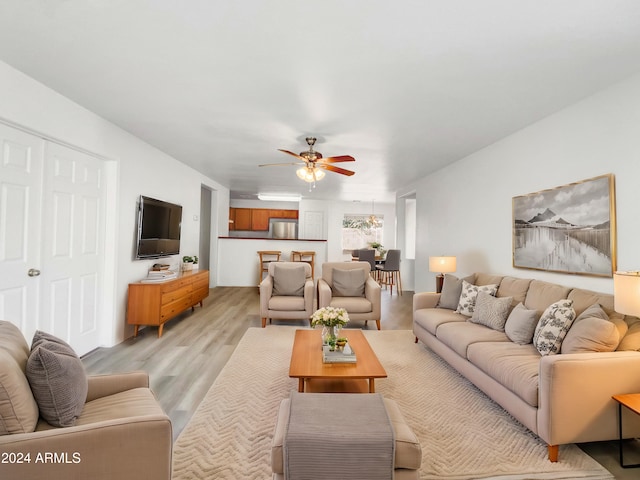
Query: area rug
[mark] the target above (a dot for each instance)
(463, 433)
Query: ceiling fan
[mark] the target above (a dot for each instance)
(312, 163)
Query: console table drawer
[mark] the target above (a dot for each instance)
(176, 294)
(199, 294)
(172, 309)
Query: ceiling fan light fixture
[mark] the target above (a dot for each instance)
(310, 174)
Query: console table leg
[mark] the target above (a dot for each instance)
(135, 330)
(160, 327)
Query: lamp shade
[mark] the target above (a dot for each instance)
(626, 293)
(442, 264)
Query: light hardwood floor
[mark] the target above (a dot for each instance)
(195, 347)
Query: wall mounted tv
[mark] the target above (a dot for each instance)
(158, 228)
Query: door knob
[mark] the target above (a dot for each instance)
(33, 272)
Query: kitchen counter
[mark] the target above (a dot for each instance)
(238, 261)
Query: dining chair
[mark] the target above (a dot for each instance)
(389, 272)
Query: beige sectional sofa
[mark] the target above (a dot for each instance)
(121, 432)
(562, 397)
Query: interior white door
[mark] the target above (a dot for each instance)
(20, 191)
(72, 246)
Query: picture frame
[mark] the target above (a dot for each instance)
(568, 229)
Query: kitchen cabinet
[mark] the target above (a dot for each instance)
(256, 219)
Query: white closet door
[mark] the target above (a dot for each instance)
(20, 190)
(51, 239)
(72, 246)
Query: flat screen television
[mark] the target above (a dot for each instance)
(158, 233)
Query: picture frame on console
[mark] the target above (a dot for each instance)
(567, 229)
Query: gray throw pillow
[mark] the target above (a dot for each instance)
(289, 280)
(591, 334)
(490, 311)
(57, 379)
(451, 289)
(348, 283)
(521, 324)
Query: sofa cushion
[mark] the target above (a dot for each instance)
(451, 289)
(521, 324)
(514, 366)
(459, 335)
(57, 378)
(352, 304)
(553, 326)
(431, 318)
(18, 408)
(583, 299)
(631, 341)
(542, 294)
(348, 283)
(487, 279)
(289, 280)
(286, 303)
(491, 311)
(514, 287)
(469, 295)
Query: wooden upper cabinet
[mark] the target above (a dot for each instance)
(256, 219)
(243, 219)
(232, 219)
(260, 219)
(284, 214)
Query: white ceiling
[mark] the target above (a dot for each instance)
(405, 86)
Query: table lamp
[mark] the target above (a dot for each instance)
(626, 293)
(441, 265)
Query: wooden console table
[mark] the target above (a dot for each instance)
(156, 303)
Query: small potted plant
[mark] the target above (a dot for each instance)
(188, 262)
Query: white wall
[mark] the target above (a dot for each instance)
(465, 208)
(135, 168)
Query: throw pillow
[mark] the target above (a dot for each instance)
(491, 311)
(594, 310)
(348, 283)
(521, 324)
(553, 326)
(451, 290)
(469, 295)
(289, 280)
(591, 334)
(57, 379)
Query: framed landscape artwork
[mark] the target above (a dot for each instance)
(569, 229)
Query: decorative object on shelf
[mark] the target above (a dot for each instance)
(441, 265)
(189, 263)
(626, 293)
(332, 320)
(570, 229)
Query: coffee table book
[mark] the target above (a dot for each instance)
(337, 356)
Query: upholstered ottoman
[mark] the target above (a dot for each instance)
(408, 453)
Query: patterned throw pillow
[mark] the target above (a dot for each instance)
(469, 294)
(490, 311)
(553, 326)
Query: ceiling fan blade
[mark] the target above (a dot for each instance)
(280, 164)
(339, 158)
(331, 168)
(294, 154)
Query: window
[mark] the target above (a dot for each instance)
(360, 231)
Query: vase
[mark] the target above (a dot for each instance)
(328, 334)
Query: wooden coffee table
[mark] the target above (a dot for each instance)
(315, 376)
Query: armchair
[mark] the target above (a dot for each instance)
(286, 292)
(349, 285)
(121, 433)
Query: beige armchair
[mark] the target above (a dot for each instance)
(286, 293)
(121, 433)
(349, 285)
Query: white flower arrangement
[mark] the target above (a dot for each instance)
(330, 317)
